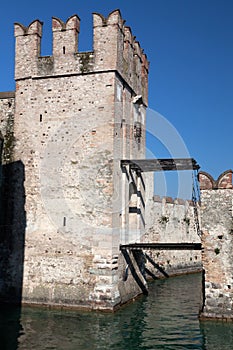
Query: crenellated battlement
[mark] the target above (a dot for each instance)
(27, 48)
(114, 18)
(170, 200)
(114, 49)
(207, 182)
(65, 36)
(34, 27)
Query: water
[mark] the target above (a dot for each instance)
(166, 319)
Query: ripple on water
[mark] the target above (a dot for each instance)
(166, 319)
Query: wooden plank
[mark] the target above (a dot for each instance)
(146, 165)
(7, 94)
(162, 246)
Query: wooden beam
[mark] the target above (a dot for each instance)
(7, 94)
(146, 165)
(162, 246)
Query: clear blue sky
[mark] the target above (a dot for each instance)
(189, 44)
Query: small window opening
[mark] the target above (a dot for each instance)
(64, 50)
(40, 117)
(64, 221)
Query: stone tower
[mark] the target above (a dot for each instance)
(77, 115)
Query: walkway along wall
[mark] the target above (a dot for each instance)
(217, 243)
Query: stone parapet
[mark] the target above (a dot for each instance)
(207, 182)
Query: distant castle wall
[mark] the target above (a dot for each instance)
(217, 242)
(171, 220)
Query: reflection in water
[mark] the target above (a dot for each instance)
(217, 335)
(166, 319)
(10, 327)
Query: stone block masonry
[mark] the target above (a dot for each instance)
(217, 242)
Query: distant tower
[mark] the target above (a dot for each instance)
(77, 115)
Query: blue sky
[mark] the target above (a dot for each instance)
(189, 44)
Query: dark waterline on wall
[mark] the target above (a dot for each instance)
(166, 319)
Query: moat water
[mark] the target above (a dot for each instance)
(166, 319)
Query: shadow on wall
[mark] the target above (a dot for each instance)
(156, 266)
(12, 232)
(10, 327)
(136, 267)
(136, 263)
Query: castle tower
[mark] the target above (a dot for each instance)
(77, 115)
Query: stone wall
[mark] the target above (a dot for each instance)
(217, 243)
